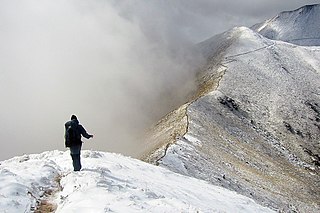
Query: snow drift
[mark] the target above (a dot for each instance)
(108, 183)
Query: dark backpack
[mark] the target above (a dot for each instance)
(72, 135)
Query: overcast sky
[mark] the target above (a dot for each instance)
(200, 19)
(118, 65)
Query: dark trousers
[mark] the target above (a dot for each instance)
(75, 155)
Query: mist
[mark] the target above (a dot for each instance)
(114, 72)
(118, 65)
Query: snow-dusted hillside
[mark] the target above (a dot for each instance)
(254, 125)
(108, 183)
(300, 27)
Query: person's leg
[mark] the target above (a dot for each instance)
(75, 155)
(78, 162)
(75, 162)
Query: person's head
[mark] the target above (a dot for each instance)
(73, 117)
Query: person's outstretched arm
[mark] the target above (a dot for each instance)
(84, 132)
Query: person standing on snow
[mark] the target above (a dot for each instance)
(73, 132)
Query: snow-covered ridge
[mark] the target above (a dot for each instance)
(108, 183)
(256, 128)
(301, 26)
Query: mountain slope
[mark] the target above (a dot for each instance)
(108, 183)
(300, 26)
(254, 127)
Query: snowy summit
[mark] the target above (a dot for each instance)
(300, 26)
(108, 183)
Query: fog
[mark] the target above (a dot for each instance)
(118, 65)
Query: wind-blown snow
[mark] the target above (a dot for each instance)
(109, 183)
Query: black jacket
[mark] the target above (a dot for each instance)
(80, 131)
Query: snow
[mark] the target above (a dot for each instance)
(109, 183)
(300, 26)
(247, 147)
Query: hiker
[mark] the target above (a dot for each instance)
(73, 132)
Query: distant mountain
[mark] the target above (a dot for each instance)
(253, 126)
(300, 26)
(107, 183)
